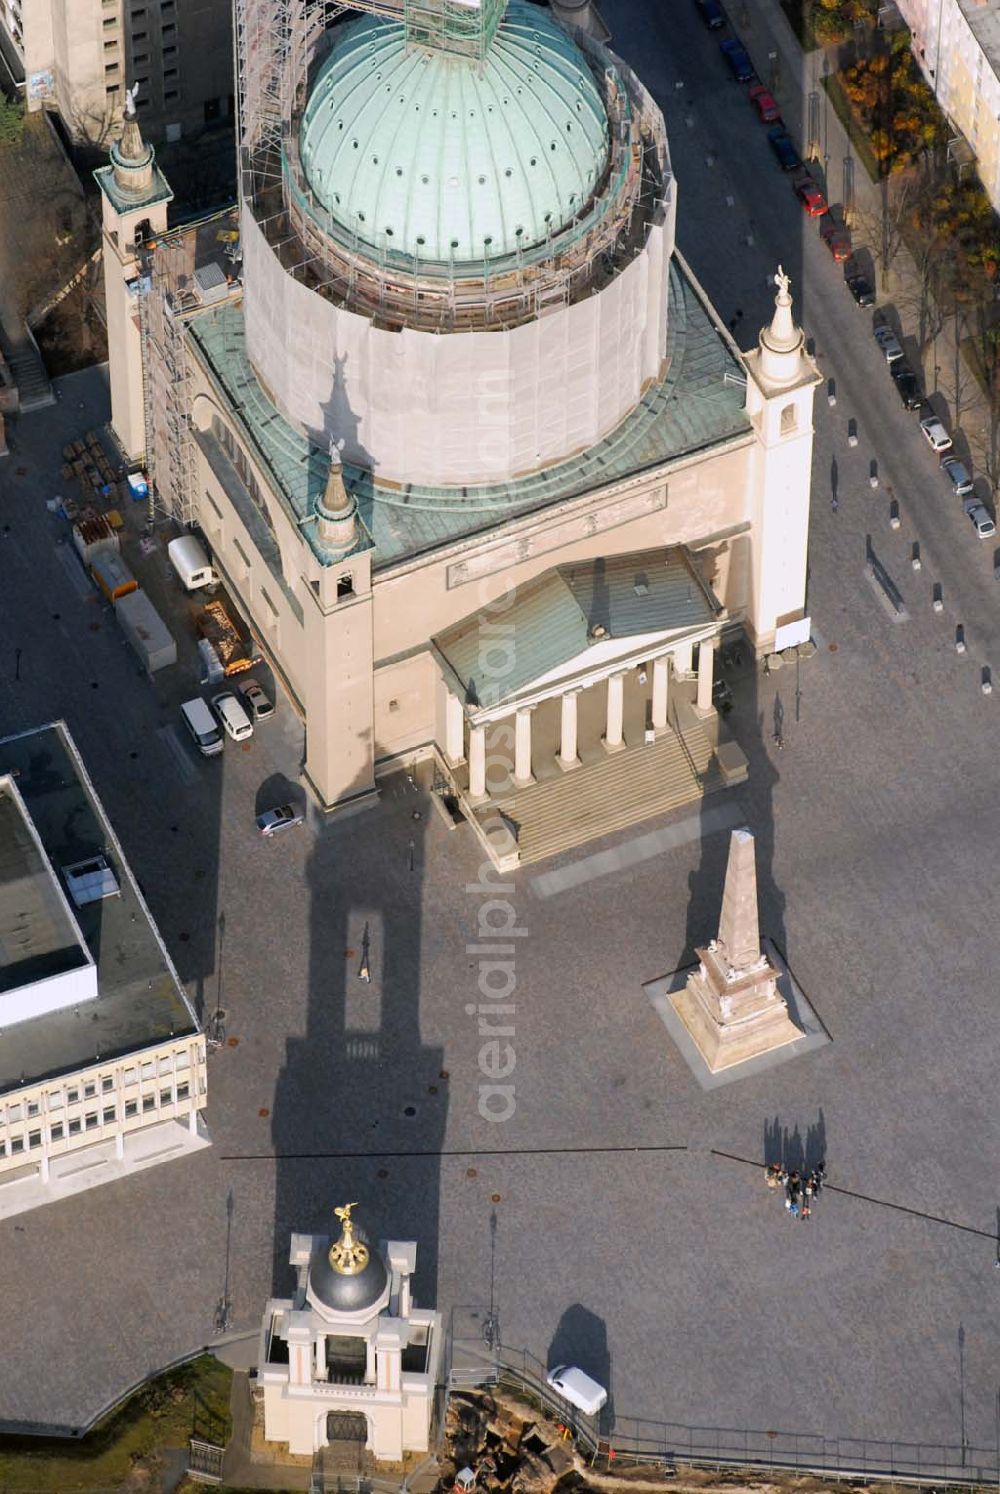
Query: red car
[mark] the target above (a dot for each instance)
(767, 110)
(811, 199)
(838, 241)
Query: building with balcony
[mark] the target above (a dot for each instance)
(102, 1060)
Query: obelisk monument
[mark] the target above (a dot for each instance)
(731, 1006)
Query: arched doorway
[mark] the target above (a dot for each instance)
(347, 1426)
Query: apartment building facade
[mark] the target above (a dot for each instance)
(77, 57)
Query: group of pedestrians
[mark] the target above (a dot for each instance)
(801, 1189)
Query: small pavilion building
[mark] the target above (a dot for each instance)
(349, 1361)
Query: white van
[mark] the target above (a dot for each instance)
(577, 1388)
(232, 715)
(203, 727)
(192, 565)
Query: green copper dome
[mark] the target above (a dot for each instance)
(438, 158)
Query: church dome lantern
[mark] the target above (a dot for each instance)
(348, 1276)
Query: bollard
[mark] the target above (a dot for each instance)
(960, 639)
(915, 561)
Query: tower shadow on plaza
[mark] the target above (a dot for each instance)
(360, 1104)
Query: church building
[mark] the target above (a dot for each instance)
(482, 472)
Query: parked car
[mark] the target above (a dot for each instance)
(765, 104)
(907, 385)
(283, 817)
(937, 437)
(711, 13)
(810, 196)
(739, 62)
(784, 148)
(980, 516)
(892, 348)
(837, 239)
(235, 721)
(577, 1388)
(958, 475)
(256, 701)
(860, 288)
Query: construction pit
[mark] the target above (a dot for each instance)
(512, 1446)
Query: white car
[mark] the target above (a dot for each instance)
(235, 721)
(282, 818)
(577, 1388)
(936, 434)
(256, 701)
(980, 517)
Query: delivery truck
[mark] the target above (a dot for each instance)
(146, 631)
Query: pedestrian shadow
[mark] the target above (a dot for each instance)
(787, 1146)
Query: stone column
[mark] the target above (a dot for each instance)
(477, 762)
(321, 1370)
(522, 746)
(193, 1119)
(369, 1361)
(706, 660)
(613, 735)
(661, 687)
(567, 748)
(120, 1146)
(454, 730)
(682, 659)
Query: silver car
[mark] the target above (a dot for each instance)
(981, 519)
(887, 340)
(958, 475)
(937, 437)
(283, 817)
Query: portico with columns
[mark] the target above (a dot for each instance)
(589, 664)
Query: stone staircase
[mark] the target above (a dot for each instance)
(617, 791)
(30, 379)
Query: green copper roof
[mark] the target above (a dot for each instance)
(443, 159)
(699, 404)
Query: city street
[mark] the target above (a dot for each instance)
(634, 1234)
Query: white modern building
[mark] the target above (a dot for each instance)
(350, 1359)
(482, 472)
(957, 44)
(102, 1061)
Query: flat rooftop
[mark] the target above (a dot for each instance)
(37, 935)
(696, 406)
(140, 1000)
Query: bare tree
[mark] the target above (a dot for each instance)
(883, 224)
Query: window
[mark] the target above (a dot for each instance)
(148, 1103)
(74, 1127)
(147, 1071)
(16, 1144)
(111, 46)
(139, 36)
(169, 74)
(72, 1095)
(109, 1115)
(182, 1091)
(111, 71)
(56, 1133)
(107, 1083)
(166, 1095)
(788, 422)
(112, 90)
(14, 1113)
(109, 23)
(90, 1120)
(166, 1064)
(131, 1108)
(34, 1139)
(32, 1108)
(345, 587)
(182, 1062)
(90, 1090)
(140, 60)
(130, 1076)
(168, 31)
(169, 52)
(55, 1099)
(169, 97)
